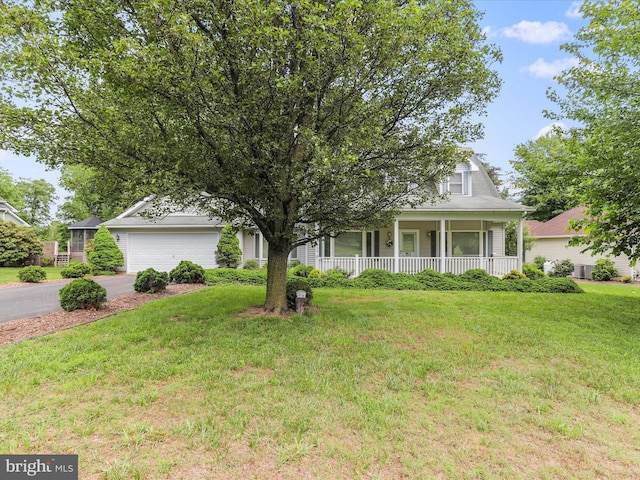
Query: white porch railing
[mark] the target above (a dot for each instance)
(497, 266)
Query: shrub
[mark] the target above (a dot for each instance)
(532, 271)
(432, 280)
(300, 270)
(338, 272)
(477, 275)
(151, 281)
(187, 272)
(562, 268)
(604, 270)
(514, 275)
(105, 256)
(75, 270)
(82, 294)
(540, 261)
(228, 253)
(17, 244)
(48, 261)
(232, 275)
(295, 284)
(558, 285)
(374, 278)
(626, 279)
(251, 264)
(32, 274)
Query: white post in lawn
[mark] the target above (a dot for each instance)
(396, 246)
(443, 245)
(520, 248)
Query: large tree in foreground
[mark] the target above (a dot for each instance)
(603, 97)
(302, 118)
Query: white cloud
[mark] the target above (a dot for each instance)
(543, 69)
(574, 10)
(538, 33)
(550, 129)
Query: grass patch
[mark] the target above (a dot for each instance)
(10, 274)
(382, 384)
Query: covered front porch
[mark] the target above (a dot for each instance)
(418, 242)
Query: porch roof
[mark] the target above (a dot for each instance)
(480, 203)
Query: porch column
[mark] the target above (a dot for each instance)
(520, 248)
(443, 245)
(396, 246)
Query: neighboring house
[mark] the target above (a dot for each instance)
(81, 233)
(10, 214)
(466, 231)
(551, 241)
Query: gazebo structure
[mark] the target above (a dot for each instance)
(81, 233)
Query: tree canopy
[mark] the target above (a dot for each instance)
(603, 98)
(545, 176)
(301, 118)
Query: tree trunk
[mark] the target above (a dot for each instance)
(276, 301)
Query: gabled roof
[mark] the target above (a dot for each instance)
(558, 226)
(91, 223)
(9, 213)
(484, 196)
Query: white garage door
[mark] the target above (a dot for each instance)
(163, 251)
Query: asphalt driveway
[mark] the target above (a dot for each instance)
(42, 298)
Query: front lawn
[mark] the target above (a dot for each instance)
(10, 274)
(376, 384)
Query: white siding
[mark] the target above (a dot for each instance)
(556, 249)
(164, 251)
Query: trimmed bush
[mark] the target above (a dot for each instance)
(432, 280)
(187, 272)
(75, 270)
(540, 261)
(251, 264)
(48, 261)
(232, 275)
(105, 256)
(562, 268)
(228, 253)
(17, 244)
(32, 274)
(151, 281)
(295, 284)
(300, 270)
(374, 278)
(604, 270)
(626, 279)
(532, 271)
(558, 285)
(82, 294)
(514, 275)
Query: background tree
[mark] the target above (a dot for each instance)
(545, 176)
(92, 194)
(17, 244)
(228, 253)
(603, 98)
(105, 255)
(8, 190)
(299, 118)
(37, 198)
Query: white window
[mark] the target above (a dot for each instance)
(458, 184)
(348, 244)
(465, 244)
(258, 239)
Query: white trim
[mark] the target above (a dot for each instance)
(410, 230)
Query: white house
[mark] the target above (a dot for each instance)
(551, 241)
(10, 214)
(466, 231)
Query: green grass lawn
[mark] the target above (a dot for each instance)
(10, 274)
(374, 384)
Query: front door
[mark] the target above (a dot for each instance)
(409, 243)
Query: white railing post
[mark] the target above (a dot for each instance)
(356, 270)
(396, 246)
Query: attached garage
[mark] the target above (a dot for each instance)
(164, 251)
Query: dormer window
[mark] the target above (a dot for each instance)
(458, 184)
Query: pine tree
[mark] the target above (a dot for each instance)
(228, 253)
(105, 256)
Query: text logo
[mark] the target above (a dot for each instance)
(39, 467)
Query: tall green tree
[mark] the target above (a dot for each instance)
(301, 118)
(8, 190)
(37, 198)
(603, 98)
(546, 176)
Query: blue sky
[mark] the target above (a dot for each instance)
(529, 33)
